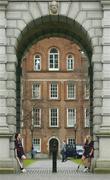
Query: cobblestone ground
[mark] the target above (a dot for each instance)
(42, 169)
(45, 167)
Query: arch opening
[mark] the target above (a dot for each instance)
(53, 26)
(46, 27)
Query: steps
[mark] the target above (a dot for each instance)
(7, 170)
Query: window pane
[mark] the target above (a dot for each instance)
(53, 50)
(87, 91)
(70, 61)
(54, 90)
(37, 63)
(54, 117)
(53, 59)
(37, 144)
(71, 141)
(71, 93)
(36, 91)
(71, 117)
(87, 117)
(36, 117)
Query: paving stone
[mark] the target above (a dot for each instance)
(42, 169)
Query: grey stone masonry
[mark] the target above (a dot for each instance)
(93, 17)
(6, 103)
(3, 61)
(103, 160)
(106, 62)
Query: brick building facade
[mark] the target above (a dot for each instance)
(55, 95)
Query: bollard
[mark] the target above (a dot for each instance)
(54, 158)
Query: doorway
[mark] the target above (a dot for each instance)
(52, 142)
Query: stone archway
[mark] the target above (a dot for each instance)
(26, 26)
(47, 26)
(52, 26)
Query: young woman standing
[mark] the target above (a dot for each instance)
(88, 152)
(19, 151)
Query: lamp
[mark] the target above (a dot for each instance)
(75, 129)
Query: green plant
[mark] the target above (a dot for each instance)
(77, 161)
(27, 162)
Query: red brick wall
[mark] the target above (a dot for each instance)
(45, 76)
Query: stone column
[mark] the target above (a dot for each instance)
(103, 161)
(6, 161)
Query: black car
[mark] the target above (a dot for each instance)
(71, 150)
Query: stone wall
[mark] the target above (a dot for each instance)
(15, 16)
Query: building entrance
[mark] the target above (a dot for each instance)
(52, 142)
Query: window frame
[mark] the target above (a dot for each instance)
(50, 120)
(86, 120)
(74, 89)
(50, 90)
(36, 149)
(74, 120)
(35, 59)
(86, 91)
(35, 97)
(73, 139)
(53, 59)
(71, 63)
(33, 122)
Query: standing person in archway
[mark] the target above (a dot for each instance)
(88, 152)
(32, 152)
(19, 151)
(63, 151)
